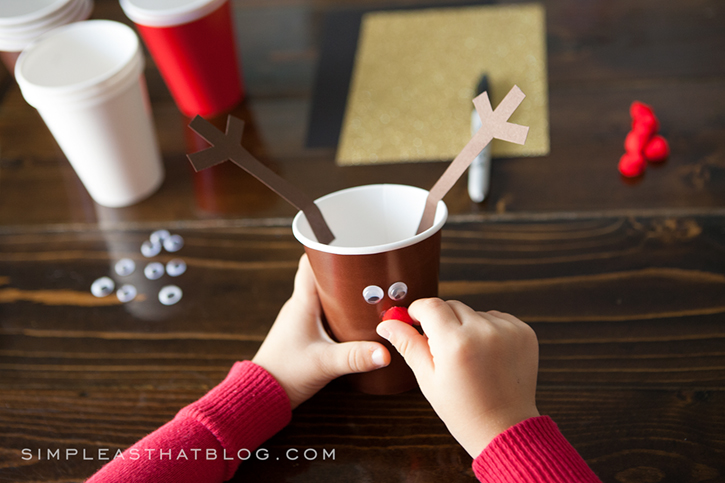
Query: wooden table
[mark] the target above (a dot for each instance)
(624, 282)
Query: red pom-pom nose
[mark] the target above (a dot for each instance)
(399, 313)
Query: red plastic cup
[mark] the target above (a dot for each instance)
(193, 46)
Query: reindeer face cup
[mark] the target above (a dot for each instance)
(377, 261)
(371, 247)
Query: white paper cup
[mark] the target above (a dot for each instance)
(375, 246)
(23, 21)
(86, 80)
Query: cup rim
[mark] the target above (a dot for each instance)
(15, 38)
(440, 218)
(169, 17)
(50, 10)
(100, 86)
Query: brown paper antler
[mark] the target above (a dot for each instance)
(228, 147)
(494, 125)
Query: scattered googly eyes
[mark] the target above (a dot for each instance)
(173, 243)
(154, 271)
(159, 236)
(150, 249)
(158, 240)
(398, 291)
(124, 267)
(126, 293)
(170, 295)
(373, 294)
(176, 267)
(103, 287)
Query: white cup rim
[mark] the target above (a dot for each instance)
(160, 13)
(125, 68)
(49, 10)
(15, 38)
(302, 232)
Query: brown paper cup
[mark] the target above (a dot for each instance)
(362, 271)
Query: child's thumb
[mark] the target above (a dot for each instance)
(411, 345)
(349, 357)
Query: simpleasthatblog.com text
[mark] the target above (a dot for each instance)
(192, 454)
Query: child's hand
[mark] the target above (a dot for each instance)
(299, 353)
(477, 369)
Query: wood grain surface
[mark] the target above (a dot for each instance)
(628, 312)
(623, 282)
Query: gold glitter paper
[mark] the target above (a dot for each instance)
(416, 73)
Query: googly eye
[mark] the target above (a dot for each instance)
(398, 291)
(173, 243)
(373, 294)
(102, 287)
(126, 293)
(154, 271)
(159, 236)
(176, 267)
(170, 295)
(125, 266)
(150, 249)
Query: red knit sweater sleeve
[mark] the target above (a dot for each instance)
(533, 451)
(207, 439)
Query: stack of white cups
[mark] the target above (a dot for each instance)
(86, 81)
(23, 21)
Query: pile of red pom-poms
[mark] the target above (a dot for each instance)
(642, 143)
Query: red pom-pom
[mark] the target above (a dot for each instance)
(636, 141)
(631, 165)
(639, 109)
(399, 313)
(656, 149)
(646, 123)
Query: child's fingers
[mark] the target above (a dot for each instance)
(464, 312)
(508, 317)
(436, 317)
(304, 299)
(305, 280)
(349, 357)
(411, 345)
